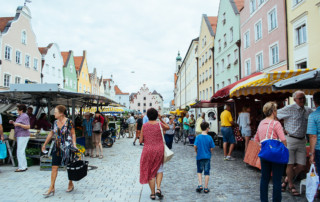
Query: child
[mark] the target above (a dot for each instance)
(203, 146)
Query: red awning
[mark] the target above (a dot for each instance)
(223, 94)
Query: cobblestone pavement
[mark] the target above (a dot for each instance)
(117, 179)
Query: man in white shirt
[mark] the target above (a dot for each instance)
(131, 121)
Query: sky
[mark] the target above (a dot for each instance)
(121, 36)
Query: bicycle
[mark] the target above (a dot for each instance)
(122, 133)
(107, 140)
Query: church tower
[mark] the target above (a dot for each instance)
(178, 62)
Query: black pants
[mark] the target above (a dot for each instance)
(169, 140)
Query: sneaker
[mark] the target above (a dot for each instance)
(229, 158)
(225, 158)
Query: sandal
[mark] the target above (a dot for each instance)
(199, 188)
(293, 191)
(101, 156)
(152, 196)
(206, 190)
(159, 194)
(284, 186)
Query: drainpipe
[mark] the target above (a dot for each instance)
(197, 59)
(213, 80)
(285, 8)
(239, 45)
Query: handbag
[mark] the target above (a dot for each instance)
(11, 135)
(168, 154)
(3, 150)
(77, 170)
(97, 127)
(312, 183)
(273, 150)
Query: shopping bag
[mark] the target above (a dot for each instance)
(311, 183)
(11, 136)
(168, 154)
(3, 150)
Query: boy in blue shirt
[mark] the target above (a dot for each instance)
(203, 146)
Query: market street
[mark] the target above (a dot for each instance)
(117, 179)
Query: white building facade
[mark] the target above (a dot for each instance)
(52, 64)
(121, 97)
(145, 99)
(20, 57)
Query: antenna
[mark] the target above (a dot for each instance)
(27, 1)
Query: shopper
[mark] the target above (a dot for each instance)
(186, 126)
(151, 161)
(1, 129)
(32, 117)
(21, 130)
(138, 129)
(170, 133)
(97, 132)
(244, 125)
(131, 122)
(192, 123)
(227, 132)
(87, 124)
(43, 123)
(203, 146)
(267, 127)
(64, 132)
(295, 118)
(314, 133)
(200, 120)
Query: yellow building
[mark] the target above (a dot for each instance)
(303, 18)
(80, 62)
(205, 57)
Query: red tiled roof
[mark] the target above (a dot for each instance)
(43, 50)
(4, 21)
(65, 57)
(118, 91)
(172, 102)
(239, 4)
(213, 22)
(77, 62)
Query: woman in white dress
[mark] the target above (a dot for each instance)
(244, 125)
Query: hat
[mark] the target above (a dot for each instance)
(87, 114)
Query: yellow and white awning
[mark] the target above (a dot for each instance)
(262, 84)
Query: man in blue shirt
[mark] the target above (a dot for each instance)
(87, 133)
(145, 119)
(203, 146)
(313, 131)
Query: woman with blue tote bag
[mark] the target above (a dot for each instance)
(270, 130)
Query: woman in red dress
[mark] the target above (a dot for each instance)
(151, 168)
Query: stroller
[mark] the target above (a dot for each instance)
(107, 140)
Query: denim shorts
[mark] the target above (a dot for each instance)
(203, 164)
(228, 135)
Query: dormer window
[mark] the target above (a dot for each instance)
(24, 37)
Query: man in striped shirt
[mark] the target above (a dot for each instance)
(295, 118)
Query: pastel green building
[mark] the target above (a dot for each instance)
(227, 44)
(70, 81)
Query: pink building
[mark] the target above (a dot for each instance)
(263, 36)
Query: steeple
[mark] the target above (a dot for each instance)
(178, 58)
(178, 62)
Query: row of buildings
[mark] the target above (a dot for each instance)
(22, 61)
(246, 37)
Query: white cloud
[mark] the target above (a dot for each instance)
(121, 36)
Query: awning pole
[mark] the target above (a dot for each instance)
(73, 110)
(49, 109)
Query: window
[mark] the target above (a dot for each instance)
(222, 84)
(80, 88)
(222, 65)
(207, 95)
(24, 37)
(70, 82)
(296, 2)
(203, 95)
(7, 53)
(231, 34)
(272, 19)
(205, 40)
(138, 104)
(247, 39)
(18, 57)
(236, 78)
(53, 71)
(6, 81)
(274, 53)
(35, 63)
(253, 6)
(260, 2)
(144, 104)
(258, 30)
(301, 34)
(202, 76)
(217, 87)
(225, 40)
(67, 81)
(235, 54)
(224, 18)
(203, 60)
(247, 67)
(150, 104)
(144, 98)
(200, 62)
(206, 74)
(219, 43)
(71, 67)
(229, 81)
(17, 80)
(27, 62)
(59, 74)
(74, 84)
(259, 62)
(218, 69)
(210, 72)
(302, 65)
(200, 95)
(84, 88)
(210, 92)
(206, 56)
(86, 77)
(228, 60)
(82, 75)
(209, 54)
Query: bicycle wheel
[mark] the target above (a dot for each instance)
(108, 142)
(176, 137)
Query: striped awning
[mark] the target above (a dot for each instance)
(262, 84)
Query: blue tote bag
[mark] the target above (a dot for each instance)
(273, 150)
(3, 150)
